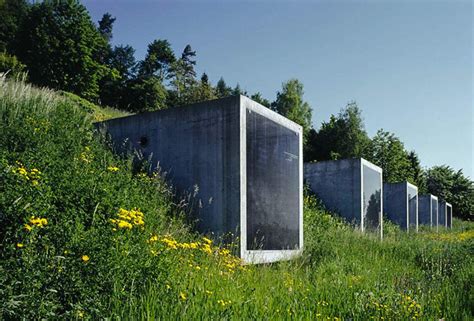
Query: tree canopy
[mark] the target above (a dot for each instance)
(343, 136)
(289, 102)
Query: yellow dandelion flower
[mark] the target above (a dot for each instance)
(124, 224)
(28, 227)
(182, 296)
(19, 245)
(154, 238)
(112, 169)
(208, 241)
(85, 258)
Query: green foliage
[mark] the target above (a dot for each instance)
(96, 112)
(62, 48)
(183, 78)
(203, 90)
(10, 66)
(454, 187)
(158, 60)
(290, 103)
(344, 136)
(114, 87)
(52, 167)
(259, 99)
(75, 265)
(418, 174)
(145, 94)
(12, 15)
(387, 151)
(106, 26)
(222, 90)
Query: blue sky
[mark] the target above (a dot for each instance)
(408, 64)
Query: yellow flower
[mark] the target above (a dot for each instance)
(38, 221)
(112, 169)
(28, 227)
(154, 238)
(124, 224)
(19, 245)
(85, 258)
(208, 241)
(182, 296)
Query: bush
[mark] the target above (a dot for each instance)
(11, 66)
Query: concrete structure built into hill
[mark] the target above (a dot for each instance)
(428, 210)
(350, 187)
(240, 162)
(400, 204)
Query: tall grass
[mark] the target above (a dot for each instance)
(73, 243)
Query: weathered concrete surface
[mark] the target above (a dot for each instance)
(350, 187)
(401, 204)
(428, 210)
(206, 150)
(445, 214)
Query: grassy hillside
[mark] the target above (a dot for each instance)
(84, 234)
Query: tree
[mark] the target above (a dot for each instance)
(158, 60)
(387, 151)
(238, 91)
(183, 78)
(12, 16)
(290, 103)
(222, 90)
(114, 87)
(452, 186)
(204, 90)
(10, 66)
(259, 99)
(61, 47)
(343, 136)
(106, 25)
(145, 94)
(418, 173)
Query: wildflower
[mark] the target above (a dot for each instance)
(182, 296)
(152, 239)
(38, 221)
(209, 292)
(129, 219)
(85, 258)
(19, 245)
(112, 169)
(28, 227)
(124, 224)
(208, 241)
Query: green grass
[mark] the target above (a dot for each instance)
(161, 269)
